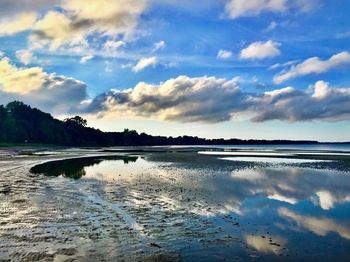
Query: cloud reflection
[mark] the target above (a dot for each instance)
(264, 245)
(319, 226)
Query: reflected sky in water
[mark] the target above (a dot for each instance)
(272, 211)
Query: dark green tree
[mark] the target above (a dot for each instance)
(20, 123)
(76, 120)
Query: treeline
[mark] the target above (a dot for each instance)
(19, 123)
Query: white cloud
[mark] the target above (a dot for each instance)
(314, 65)
(158, 46)
(328, 103)
(24, 56)
(321, 90)
(210, 99)
(55, 29)
(144, 63)
(237, 8)
(181, 99)
(260, 50)
(272, 26)
(241, 8)
(279, 65)
(19, 23)
(38, 88)
(20, 80)
(86, 58)
(20, 15)
(112, 46)
(73, 24)
(82, 18)
(224, 54)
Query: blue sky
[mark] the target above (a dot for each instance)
(275, 69)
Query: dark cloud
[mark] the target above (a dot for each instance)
(183, 99)
(324, 103)
(59, 95)
(208, 99)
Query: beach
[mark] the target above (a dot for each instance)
(174, 204)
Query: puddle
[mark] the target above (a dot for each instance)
(271, 160)
(104, 168)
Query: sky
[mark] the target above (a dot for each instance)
(262, 69)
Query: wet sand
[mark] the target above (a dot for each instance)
(165, 205)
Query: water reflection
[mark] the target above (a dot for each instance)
(266, 245)
(325, 188)
(76, 168)
(319, 226)
(271, 209)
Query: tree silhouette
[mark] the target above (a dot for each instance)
(76, 120)
(19, 123)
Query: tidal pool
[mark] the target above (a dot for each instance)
(179, 206)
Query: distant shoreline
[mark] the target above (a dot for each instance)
(25, 126)
(258, 143)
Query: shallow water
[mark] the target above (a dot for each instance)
(325, 146)
(177, 206)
